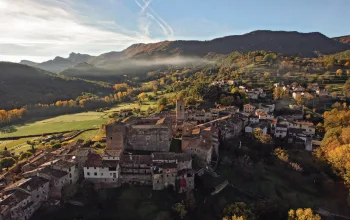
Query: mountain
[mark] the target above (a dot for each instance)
(343, 39)
(79, 58)
(287, 43)
(21, 85)
(59, 64)
(28, 62)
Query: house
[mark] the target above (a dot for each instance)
(297, 95)
(16, 206)
(69, 166)
(253, 119)
(281, 130)
(307, 127)
(202, 143)
(248, 108)
(322, 92)
(251, 127)
(27, 196)
(98, 170)
(252, 95)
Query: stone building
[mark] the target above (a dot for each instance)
(15, 206)
(141, 134)
(136, 169)
(203, 143)
(23, 198)
(180, 110)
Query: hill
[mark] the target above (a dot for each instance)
(286, 43)
(343, 39)
(22, 85)
(59, 64)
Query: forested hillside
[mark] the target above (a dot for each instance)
(21, 85)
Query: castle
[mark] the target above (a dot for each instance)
(138, 149)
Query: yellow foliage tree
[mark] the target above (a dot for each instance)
(303, 214)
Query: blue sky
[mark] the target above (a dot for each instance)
(41, 29)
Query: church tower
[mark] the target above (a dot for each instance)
(180, 109)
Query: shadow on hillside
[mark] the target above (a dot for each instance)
(8, 129)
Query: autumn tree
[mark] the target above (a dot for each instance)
(267, 74)
(180, 209)
(303, 214)
(142, 96)
(339, 72)
(238, 210)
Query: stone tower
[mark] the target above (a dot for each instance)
(180, 109)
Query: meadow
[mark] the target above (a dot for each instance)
(79, 121)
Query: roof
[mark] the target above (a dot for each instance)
(164, 156)
(109, 163)
(282, 125)
(54, 173)
(188, 142)
(295, 130)
(136, 159)
(14, 198)
(29, 184)
(83, 152)
(181, 157)
(93, 160)
(65, 163)
(168, 165)
(112, 153)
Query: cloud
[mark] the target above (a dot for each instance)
(45, 28)
(147, 14)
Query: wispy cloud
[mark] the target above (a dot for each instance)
(35, 29)
(147, 14)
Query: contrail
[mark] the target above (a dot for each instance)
(159, 18)
(167, 30)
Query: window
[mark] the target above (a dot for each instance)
(101, 174)
(88, 173)
(95, 174)
(111, 138)
(69, 169)
(70, 181)
(70, 175)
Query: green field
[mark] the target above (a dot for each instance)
(16, 146)
(62, 123)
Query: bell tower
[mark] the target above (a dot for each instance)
(180, 110)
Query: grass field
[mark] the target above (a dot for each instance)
(62, 123)
(16, 146)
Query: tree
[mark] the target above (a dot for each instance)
(163, 101)
(238, 210)
(142, 96)
(267, 74)
(329, 61)
(339, 72)
(7, 162)
(303, 214)
(180, 209)
(25, 155)
(346, 89)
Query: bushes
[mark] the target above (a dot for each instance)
(56, 146)
(25, 155)
(7, 162)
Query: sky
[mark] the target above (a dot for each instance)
(39, 30)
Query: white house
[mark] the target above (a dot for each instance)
(251, 127)
(281, 130)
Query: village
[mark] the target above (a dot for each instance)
(162, 150)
